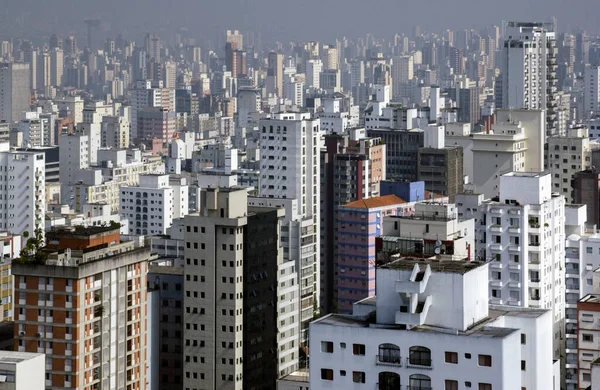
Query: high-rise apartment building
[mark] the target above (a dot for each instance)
(22, 187)
(56, 67)
(313, 73)
(85, 308)
(402, 72)
(521, 233)
(290, 169)
(591, 91)
(568, 155)
(275, 74)
(237, 335)
(14, 91)
(442, 170)
(144, 95)
(156, 123)
(586, 190)
(529, 69)
(350, 170)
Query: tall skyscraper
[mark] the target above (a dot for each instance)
(402, 72)
(56, 67)
(239, 332)
(93, 25)
(153, 46)
(290, 170)
(591, 94)
(275, 74)
(529, 70)
(14, 91)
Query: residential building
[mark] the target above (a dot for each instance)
(91, 284)
(591, 92)
(434, 228)
(588, 335)
(442, 170)
(350, 170)
(150, 206)
(586, 190)
(351, 277)
(330, 80)
(338, 115)
(568, 155)
(144, 95)
(402, 72)
(515, 144)
(23, 190)
(234, 337)
(14, 91)
(11, 248)
(430, 326)
(521, 233)
(528, 68)
(22, 370)
(166, 281)
(156, 123)
(115, 132)
(290, 168)
(275, 74)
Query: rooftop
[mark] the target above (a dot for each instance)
(297, 376)
(7, 357)
(371, 203)
(456, 267)
(590, 298)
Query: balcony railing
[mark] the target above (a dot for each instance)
(388, 361)
(419, 387)
(419, 363)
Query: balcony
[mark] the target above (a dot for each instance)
(572, 288)
(514, 248)
(418, 317)
(394, 361)
(514, 284)
(496, 247)
(514, 229)
(496, 265)
(418, 388)
(496, 283)
(421, 363)
(514, 266)
(496, 211)
(496, 229)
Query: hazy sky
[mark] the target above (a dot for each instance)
(285, 20)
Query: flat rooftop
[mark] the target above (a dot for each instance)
(481, 329)
(443, 266)
(9, 357)
(297, 376)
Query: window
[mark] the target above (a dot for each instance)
(523, 338)
(420, 356)
(389, 381)
(358, 349)
(587, 337)
(327, 346)
(389, 353)
(485, 360)
(485, 386)
(451, 357)
(523, 365)
(467, 356)
(514, 294)
(419, 382)
(496, 293)
(326, 374)
(342, 372)
(451, 385)
(358, 377)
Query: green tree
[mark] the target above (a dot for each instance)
(32, 253)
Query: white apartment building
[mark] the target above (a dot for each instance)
(566, 156)
(515, 144)
(22, 190)
(150, 206)
(522, 235)
(22, 370)
(528, 69)
(335, 119)
(582, 260)
(313, 73)
(591, 91)
(293, 89)
(15, 97)
(430, 327)
(290, 169)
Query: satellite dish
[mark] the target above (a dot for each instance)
(437, 250)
